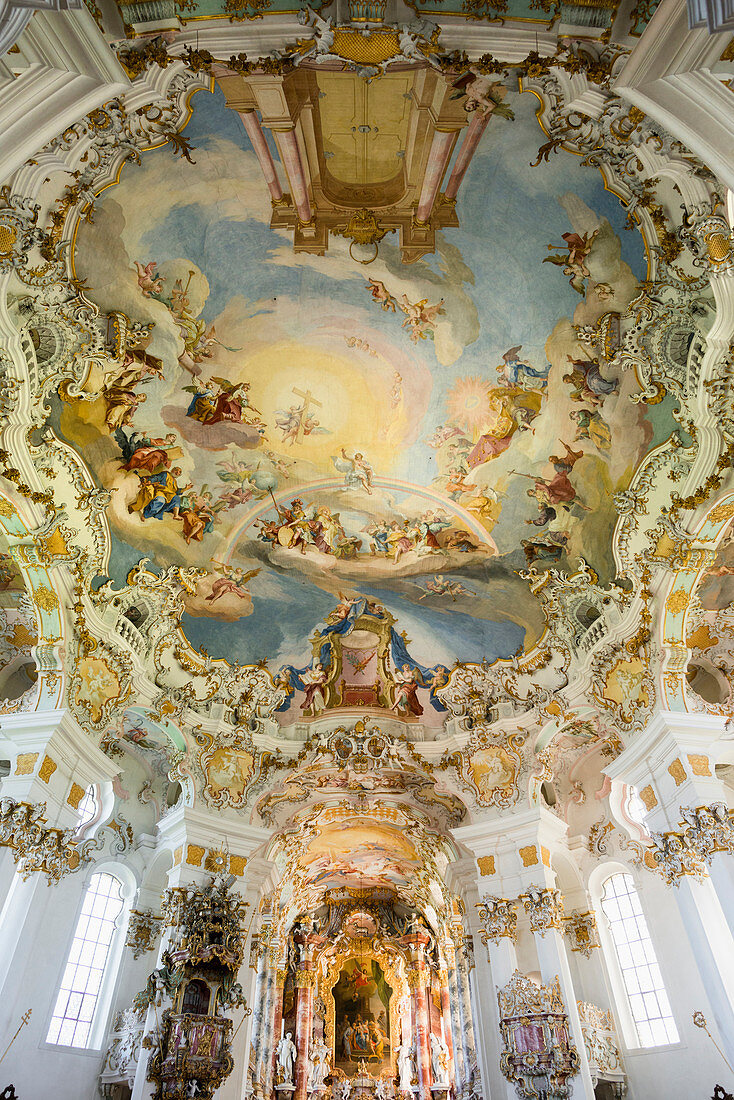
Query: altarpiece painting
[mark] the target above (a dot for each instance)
(362, 1031)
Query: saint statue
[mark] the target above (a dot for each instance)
(439, 1060)
(406, 1065)
(320, 1065)
(286, 1055)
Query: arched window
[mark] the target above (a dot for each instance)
(78, 998)
(88, 808)
(637, 962)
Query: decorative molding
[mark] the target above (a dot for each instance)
(36, 846)
(499, 920)
(143, 930)
(581, 930)
(545, 907)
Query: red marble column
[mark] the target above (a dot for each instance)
(438, 159)
(262, 151)
(472, 137)
(290, 154)
(304, 1025)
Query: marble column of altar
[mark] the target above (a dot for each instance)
(462, 1068)
(277, 1028)
(305, 981)
(463, 956)
(261, 955)
(267, 1036)
(417, 980)
(446, 1020)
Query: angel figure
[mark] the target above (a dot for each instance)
(149, 281)
(232, 581)
(381, 294)
(573, 261)
(237, 477)
(420, 317)
(482, 94)
(514, 368)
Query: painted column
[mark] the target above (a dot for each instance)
(461, 1068)
(290, 154)
(438, 159)
(305, 980)
(262, 151)
(260, 952)
(545, 908)
(472, 137)
(463, 954)
(267, 1038)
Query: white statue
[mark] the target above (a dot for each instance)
(406, 1065)
(346, 1088)
(320, 1065)
(286, 1054)
(383, 1090)
(439, 1060)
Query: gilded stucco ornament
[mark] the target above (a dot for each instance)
(499, 920)
(37, 846)
(544, 905)
(19, 230)
(581, 931)
(143, 930)
(705, 831)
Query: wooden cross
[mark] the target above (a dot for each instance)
(25, 1018)
(308, 401)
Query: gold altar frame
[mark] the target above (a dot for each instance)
(392, 962)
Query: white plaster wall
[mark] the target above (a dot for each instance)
(32, 982)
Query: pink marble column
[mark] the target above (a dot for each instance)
(438, 158)
(254, 131)
(446, 1017)
(472, 137)
(290, 154)
(304, 1025)
(422, 1034)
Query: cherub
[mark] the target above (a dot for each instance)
(381, 294)
(149, 281)
(420, 317)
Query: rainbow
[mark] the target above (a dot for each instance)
(286, 495)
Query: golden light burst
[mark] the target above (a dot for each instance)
(468, 404)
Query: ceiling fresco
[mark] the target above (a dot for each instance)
(304, 429)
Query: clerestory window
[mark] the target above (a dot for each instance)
(78, 999)
(637, 962)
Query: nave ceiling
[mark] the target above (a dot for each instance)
(362, 552)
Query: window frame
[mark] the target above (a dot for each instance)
(625, 1018)
(112, 969)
